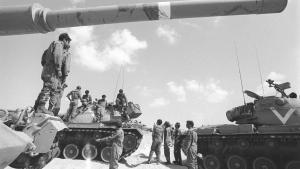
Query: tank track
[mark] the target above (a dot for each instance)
(77, 136)
(24, 160)
(250, 151)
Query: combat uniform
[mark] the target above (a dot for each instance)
(121, 101)
(88, 97)
(157, 139)
(191, 138)
(58, 97)
(74, 97)
(167, 143)
(177, 146)
(117, 148)
(56, 66)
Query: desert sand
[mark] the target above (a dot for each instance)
(136, 160)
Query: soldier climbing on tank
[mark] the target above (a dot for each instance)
(56, 67)
(81, 109)
(177, 146)
(121, 104)
(87, 96)
(117, 145)
(74, 96)
(101, 108)
(167, 141)
(191, 142)
(157, 139)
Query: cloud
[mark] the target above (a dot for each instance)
(74, 2)
(211, 91)
(145, 90)
(276, 76)
(178, 90)
(119, 49)
(167, 33)
(159, 102)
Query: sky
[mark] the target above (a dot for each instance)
(177, 70)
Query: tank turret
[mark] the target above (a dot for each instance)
(37, 19)
(270, 110)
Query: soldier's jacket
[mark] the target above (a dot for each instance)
(75, 95)
(88, 98)
(168, 135)
(189, 141)
(157, 134)
(55, 59)
(177, 134)
(121, 99)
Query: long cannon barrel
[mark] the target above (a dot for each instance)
(36, 19)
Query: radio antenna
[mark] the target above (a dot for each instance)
(241, 80)
(259, 68)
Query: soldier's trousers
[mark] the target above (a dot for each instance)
(167, 152)
(191, 159)
(177, 153)
(155, 147)
(50, 91)
(116, 152)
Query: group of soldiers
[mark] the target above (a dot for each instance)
(56, 67)
(164, 134)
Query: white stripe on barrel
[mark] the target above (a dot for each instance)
(164, 10)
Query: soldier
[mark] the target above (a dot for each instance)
(157, 139)
(83, 108)
(87, 96)
(56, 67)
(191, 142)
(177, 146)
(293, 95)
(103, 101)
(117, 145)
(121, 100)
(167, 141)
(74, 96)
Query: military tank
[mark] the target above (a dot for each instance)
(78, 141)
(266, 134)
(31, 144)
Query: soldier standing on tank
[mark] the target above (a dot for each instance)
(56, 67)
(101, 106)
(87, 96)
(117, 145)
(74, 96)
(121, 103)
(177, 146)
(157, 139)
(167, 141)
(191, 138)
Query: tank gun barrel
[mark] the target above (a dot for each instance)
(37, 19)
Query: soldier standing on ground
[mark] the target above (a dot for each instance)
(74, 96)
(56, 67)
(157, 139)
(177, 146)
(191, 138)
(167, 140)
(87, 96)
(117, 145)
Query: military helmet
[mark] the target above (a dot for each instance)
(121, 91)
(103, 96)
(64, 36)
(87, 91)
(78, 87)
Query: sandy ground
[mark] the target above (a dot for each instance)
(136, 160)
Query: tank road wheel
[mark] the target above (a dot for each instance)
(243, 144)
(211, 162)
(236, 162)
(263, 163)
(71, 151)
(129, 142)
(105, 154)
(293, 165)
(89, 151)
